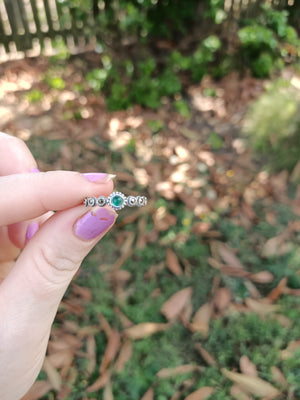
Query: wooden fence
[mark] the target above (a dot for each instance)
(25, 24)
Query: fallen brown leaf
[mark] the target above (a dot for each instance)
(38, 390)
(262, 277)
(105, 325)
(228, 256)
(278, 377)
(252, 384)
(290, 350)
(111, 350)
(149, 395)
(261, 307)
(222, 299)
(200, 322)
(182, 369)
(237, 393)
(91, 353)
(200, 394)
(126, 323)
(276, 246)
(173, 263)
(205, 355)
(247, 367)
(154, 270)
(53, 375)
(124, 356)
(61, 359)
(99, 382)
(145, 329)
(186, 313)
(107, 393)
(172, 307)
(83, 292)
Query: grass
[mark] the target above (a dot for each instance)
(230, 336)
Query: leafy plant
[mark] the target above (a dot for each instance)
(273, 126)
(263, 41)
(35, 96)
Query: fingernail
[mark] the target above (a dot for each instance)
(93, 223)
(98, 177)
(35, 170)
(31, 230)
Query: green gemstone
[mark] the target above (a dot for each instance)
(117, 201)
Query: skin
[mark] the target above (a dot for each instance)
(34, 275)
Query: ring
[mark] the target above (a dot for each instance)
(116, 200)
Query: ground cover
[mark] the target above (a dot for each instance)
(195, 296)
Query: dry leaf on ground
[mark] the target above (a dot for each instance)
(200, 322)
(149, 395)
(91, 353)
(200, 394)
(262, 277)
(238, 394)
(276, 246)
(228, 256)
(222, 299)
(252, 384)
(247, 367)
(174, 305)
(173, 263)
(99, 382)
(278, 377)
(112, 348)
(145, 329)
(290, 350)
(181, 369)
(205, 355)
(107, 393)
(261, 307)
(124, 356)
(38, 390)
(53, 375)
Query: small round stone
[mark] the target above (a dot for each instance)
(131, 201)
(101, 201)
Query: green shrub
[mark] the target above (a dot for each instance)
(272, 126)
(264, 41)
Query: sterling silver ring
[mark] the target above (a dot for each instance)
(116, 200)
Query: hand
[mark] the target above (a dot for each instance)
(54, 245)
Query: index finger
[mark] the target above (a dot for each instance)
(27, 196)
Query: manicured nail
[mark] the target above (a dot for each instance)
(35, 170)
(31, 230)
(98, 177)
(93, 223)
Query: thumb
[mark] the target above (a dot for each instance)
(31, 293)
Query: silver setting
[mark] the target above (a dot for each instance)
(141, 201)
(101, 201)
(130, 201)
(111, 198)
(90, 202)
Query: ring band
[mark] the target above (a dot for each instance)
(116, 200)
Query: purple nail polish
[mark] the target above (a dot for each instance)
(93, 223)
(31, 230)
(95, 176)
(35, 170)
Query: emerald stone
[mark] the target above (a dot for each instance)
(117, 200)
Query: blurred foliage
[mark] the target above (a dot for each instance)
(137, 70)
(273, 125)
(268, 42)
